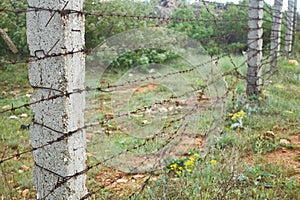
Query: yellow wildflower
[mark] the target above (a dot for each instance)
(213, 162)
(173, 167)
(178, 172)
(265, 92)
(189, 164)
(196, 155)
(279, 86)
(238, 115)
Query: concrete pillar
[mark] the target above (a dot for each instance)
(255, 43)
(56, 33)
(275, 34)
(289, 29)
(295, 21)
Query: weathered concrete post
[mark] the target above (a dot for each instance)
(255, 43)
(289, 28)
(57, 33)
(295, 21)
(275, 34)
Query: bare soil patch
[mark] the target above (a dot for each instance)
(286, 156)
(148, 87)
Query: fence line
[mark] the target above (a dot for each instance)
(52, 94)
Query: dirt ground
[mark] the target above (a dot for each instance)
(288, 157)
(126, 184)
(284, 156)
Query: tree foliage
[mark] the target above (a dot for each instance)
(99, 28)
(223, 29)
(15, 25)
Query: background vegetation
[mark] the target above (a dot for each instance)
(227, 34)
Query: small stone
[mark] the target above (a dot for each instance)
(23, 115)
(122, 180)
(26, 168)
(136, 115)
(28, 95)
(151, 71)
(138, 176)
(145, 121)
(24, 192)
(270, 134)
(284, 141)
(293, 62)
(13, 117)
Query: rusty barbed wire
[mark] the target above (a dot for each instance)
(69, 177)
(111, 87)
(116, 15)
(103, 122)
(109, 49)
(171, 136)
(107, 88)
(73, 52)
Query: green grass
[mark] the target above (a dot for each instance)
(16, 173)
(232, 177)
